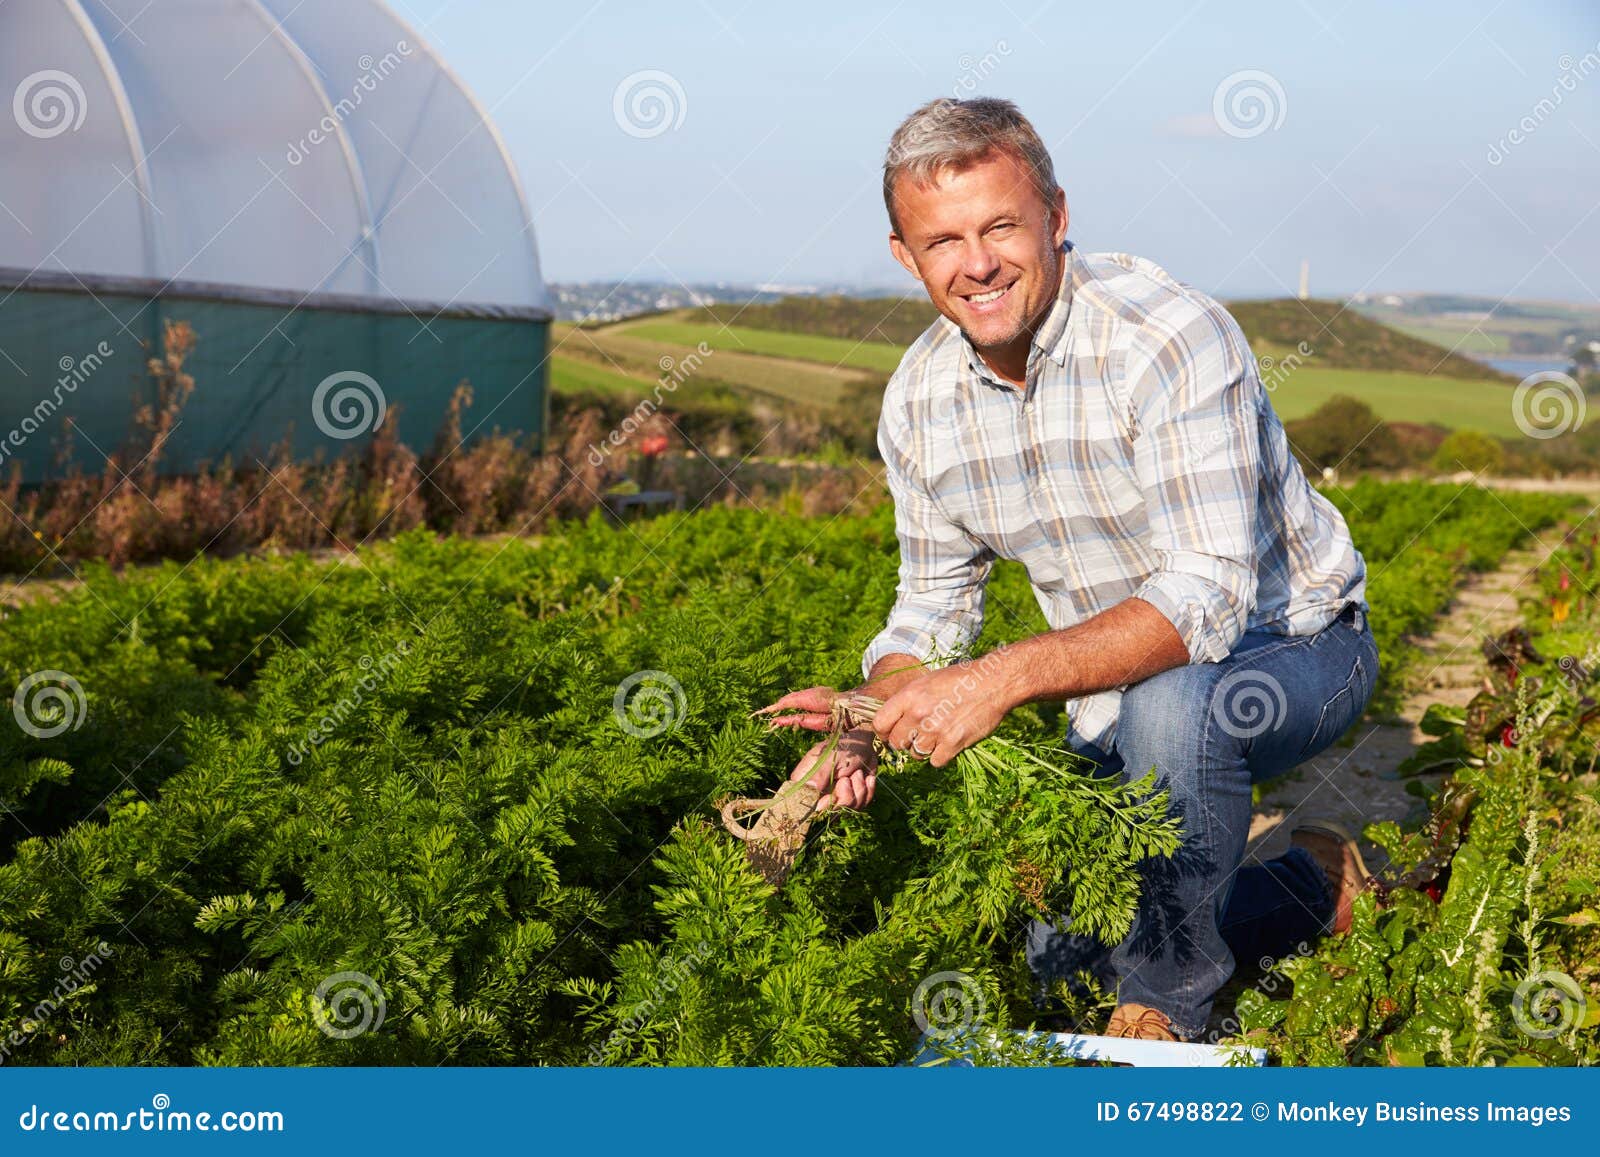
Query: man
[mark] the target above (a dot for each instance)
(1104, 424)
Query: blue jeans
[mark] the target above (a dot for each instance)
(1211, 730)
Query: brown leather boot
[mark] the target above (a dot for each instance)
(1141, 1022)
(1336, 853)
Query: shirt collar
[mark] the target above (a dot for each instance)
(1051, 338)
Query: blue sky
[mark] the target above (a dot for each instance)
(1386, 161)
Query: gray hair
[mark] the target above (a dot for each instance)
(948, 133)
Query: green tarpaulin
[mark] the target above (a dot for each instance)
(268, 367)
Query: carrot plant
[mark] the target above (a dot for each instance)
(423, 771)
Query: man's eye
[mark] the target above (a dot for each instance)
(1003, 225)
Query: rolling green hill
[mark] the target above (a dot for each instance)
(897, 321)
(1400, 397)
(646, 349)
(1342, 339)
(569, 375)
(1486, 324)
(832, 352)
(1339, 338)
(838, 351)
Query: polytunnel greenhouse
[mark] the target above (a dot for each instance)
(306, 184)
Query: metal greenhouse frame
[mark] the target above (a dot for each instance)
(308, 185)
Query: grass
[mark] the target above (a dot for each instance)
(820, 368)
(573, 376)
(620, 348)
(1342, 339)
(877, 356)
(1402, 397)
(1461, 339)
(1516, 329)
(893, 320)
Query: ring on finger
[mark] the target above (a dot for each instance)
(915, 749)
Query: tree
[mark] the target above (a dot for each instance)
(1345, 434)
(1469, 450)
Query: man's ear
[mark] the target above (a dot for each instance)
(1059, 216)
(903, 255)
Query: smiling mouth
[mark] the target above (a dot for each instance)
(988, 296)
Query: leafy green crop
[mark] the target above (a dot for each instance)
(1420, 541)
(419, 771)
(1502, 968)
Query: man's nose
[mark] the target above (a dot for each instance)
(978, 262)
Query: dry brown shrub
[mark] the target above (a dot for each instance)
(128, 510)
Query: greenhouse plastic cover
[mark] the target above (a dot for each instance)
(309, 146)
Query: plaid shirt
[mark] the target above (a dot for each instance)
(1143, 460)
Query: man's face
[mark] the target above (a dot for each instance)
(985, 246)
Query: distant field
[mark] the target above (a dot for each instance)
(1485, 326)
(821, 369)
(572, 376)
(1463, 339)
(624, 348)
(1402, 397)
(866, 355)
(895, 321)
(1342, 339)
(1339, 338)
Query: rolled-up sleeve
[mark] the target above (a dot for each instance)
(1195, 395)
(938, 608)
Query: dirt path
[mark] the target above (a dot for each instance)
(1355, 783)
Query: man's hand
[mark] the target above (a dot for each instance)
(849, 768)
(944, 712)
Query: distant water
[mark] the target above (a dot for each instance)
(1522, 367)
